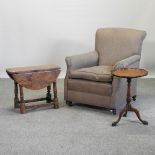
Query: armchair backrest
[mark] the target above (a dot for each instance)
(115, 44)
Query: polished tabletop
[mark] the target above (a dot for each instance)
(129, 72)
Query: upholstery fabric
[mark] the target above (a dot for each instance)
(115, 44)
(91, 87)
(90, 99)
(96, 73)
(128, 61)
(82, 60)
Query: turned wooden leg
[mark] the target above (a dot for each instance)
(16, 99)
(56, 104)
(22, 104)
(48, 95)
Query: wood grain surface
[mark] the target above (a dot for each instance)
(36, 77)
(129, 72)
(37, 80)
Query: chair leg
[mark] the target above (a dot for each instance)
(114, 111)
(134, 97)
(69, 103)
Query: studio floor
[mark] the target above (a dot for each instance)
(76, 130)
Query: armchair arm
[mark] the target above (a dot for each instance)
(83, 60)
(127, 62)
(119, 85)
(78, 61)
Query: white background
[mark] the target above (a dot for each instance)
(39, 32)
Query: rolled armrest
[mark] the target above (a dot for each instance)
(127, 62)
(81, 61)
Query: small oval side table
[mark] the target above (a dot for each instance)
(129, 73)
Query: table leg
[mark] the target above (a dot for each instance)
(138, 115)
(16, 99)
(22, 104)
(48, 95)
(56, 104)
(128, 106)
(120, 116)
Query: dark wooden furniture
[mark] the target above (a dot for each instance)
(129, 73)
(35, 78)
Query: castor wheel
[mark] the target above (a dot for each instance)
(69, 103)
(134, 98)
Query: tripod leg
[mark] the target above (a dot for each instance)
(138, 115)
(120, 116)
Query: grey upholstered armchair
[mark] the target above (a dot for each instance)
(89, 80)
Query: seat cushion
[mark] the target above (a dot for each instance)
(96, 73)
